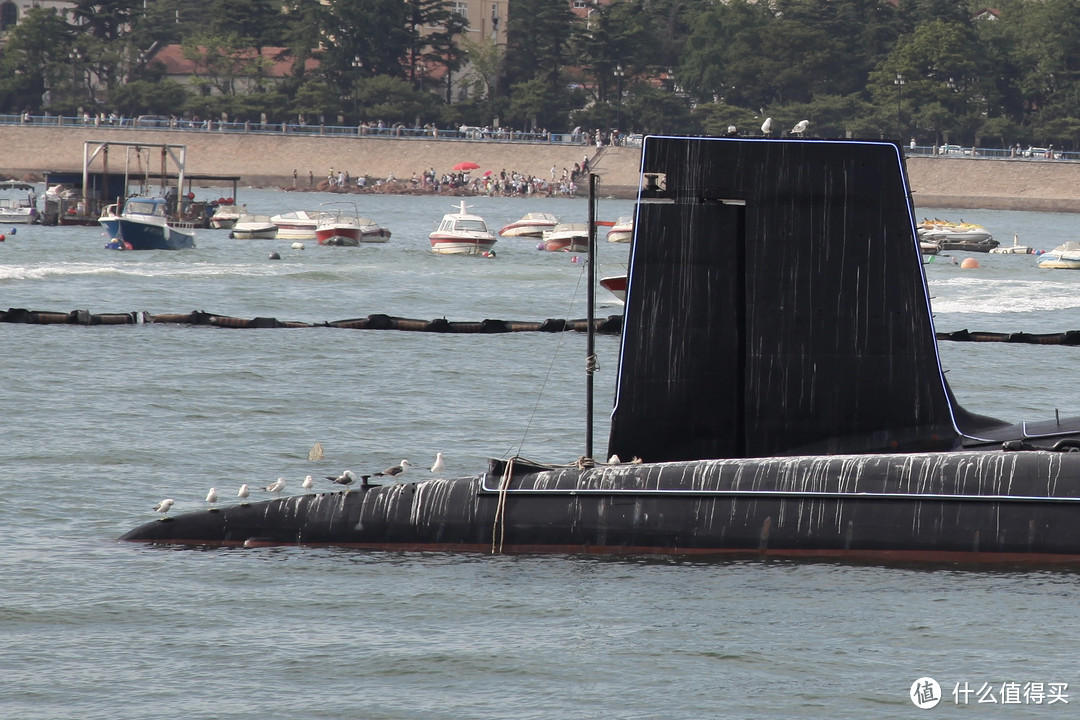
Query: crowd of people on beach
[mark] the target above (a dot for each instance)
(504, 183)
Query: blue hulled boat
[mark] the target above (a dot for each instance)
(144, 224)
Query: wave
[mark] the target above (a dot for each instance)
(144, 270)
(997, 296)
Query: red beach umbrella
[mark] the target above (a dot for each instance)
(467, 165)
(487, 173)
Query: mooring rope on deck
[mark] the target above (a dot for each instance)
(611, 324)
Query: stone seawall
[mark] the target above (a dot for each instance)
(269, 160)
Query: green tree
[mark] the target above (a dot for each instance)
(34, 67)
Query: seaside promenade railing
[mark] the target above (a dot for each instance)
(430, 132)
(397, 131)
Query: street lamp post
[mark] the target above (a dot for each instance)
(357, 66)
(899, 83)
(619, 75)
(76, 57)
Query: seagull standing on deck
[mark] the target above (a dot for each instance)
(164, 506)
(800, 127)
(211, 497)
(346, 478)
(766, 127)
(243, 492)
(276, 486)
(395, 470)
(308, 483)
(439, 466)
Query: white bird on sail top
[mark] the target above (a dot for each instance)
(243, 492)
(800, 127)
(163, 506)
(211, 497)
(276, 486)
(308, 483)
(395, 470)
(440, 465)
(766, 127)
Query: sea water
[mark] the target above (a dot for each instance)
(100, 423)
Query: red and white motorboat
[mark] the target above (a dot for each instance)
(462, 233)
(530, 225)
(296, 224)
(340, 224)
(567, 237)
(616, 285)
(622, 231)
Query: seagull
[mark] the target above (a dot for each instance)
(346, 478)
(211, 497)
(440, 465)
(243, 492)
(163, 506)
(276, 486)
(395, 470)
(614, 460)
(800, 127)
(308, 482)
(766, 127)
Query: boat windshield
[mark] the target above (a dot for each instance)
(143, 207)
(470, 226)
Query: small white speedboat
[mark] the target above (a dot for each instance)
(226, 216)
(296, 224)
(533, 224)
(622, 231)
(567, 237)
(254, 227)
(1064, 257)
(462, 233)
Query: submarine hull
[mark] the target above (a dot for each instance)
(964, 506)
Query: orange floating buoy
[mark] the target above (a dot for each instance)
(970, 262)
(2, 237)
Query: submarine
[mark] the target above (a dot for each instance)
(779, 392)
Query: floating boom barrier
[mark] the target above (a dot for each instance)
(609, 325)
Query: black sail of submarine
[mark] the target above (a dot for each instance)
(779, 381)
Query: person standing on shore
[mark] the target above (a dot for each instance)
(294, 177)
(310, 178)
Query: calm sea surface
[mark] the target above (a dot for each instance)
(99, 423)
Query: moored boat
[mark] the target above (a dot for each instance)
(462, 233)
(533, 224)
(616, 285)
(1015, 249)
(956, 235)
(567, 237)
(254, 227)
(226, 215)
(622, 231)
(144, 224)
(1064, 257)
(18, 203)
(110, 220)
(296, 224)
(341, 224)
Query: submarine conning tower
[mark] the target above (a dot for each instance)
(777, 306)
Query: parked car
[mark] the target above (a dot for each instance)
(952, 150)
(1040, 152)
(152, 121)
